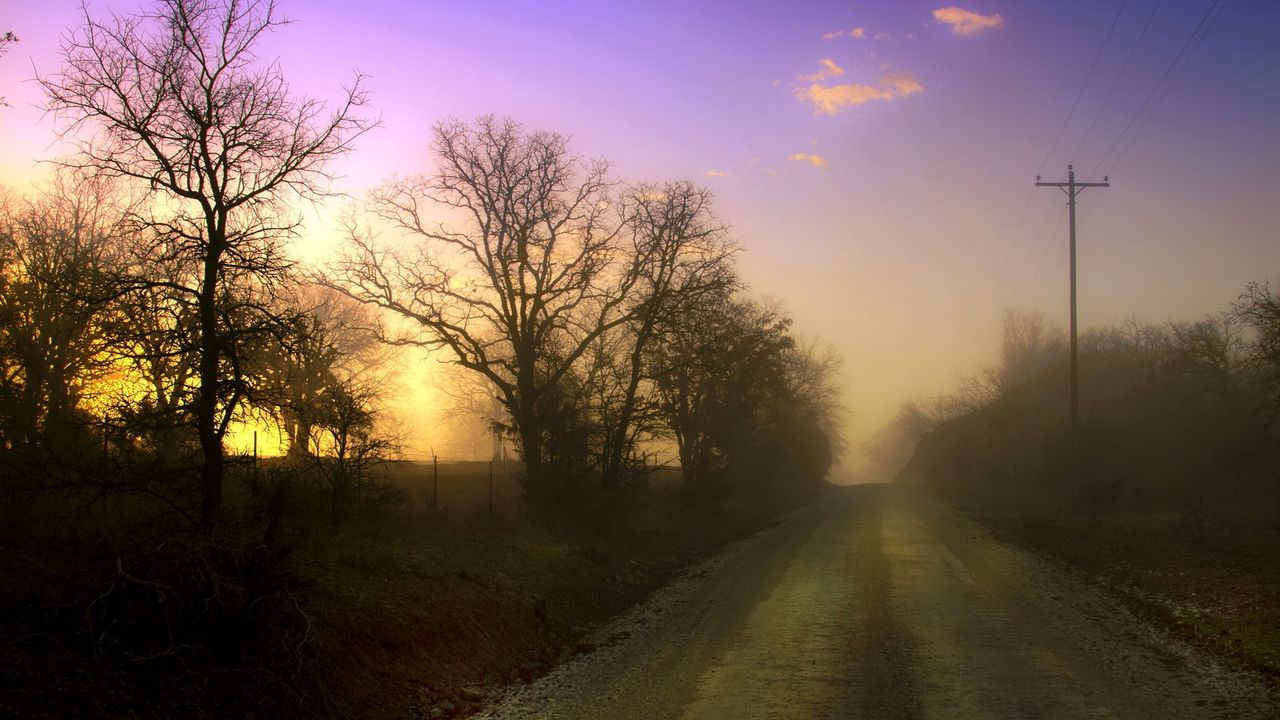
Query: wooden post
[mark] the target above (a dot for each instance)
(1073, 189)
(255, 457)
(491, 487)
(435, 482)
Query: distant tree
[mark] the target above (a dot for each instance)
(717, 371)
(797, 438)
(1207, 354)
(1259, 308)
(348, 442)
(520, 288)
(891, 447)
(331, 341)
(56, 256)
(178, 100)
(1028, 345)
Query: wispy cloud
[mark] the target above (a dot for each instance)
(717, 173)
(967, 22)
(858, 33)
(831, 99)
(814, 160)
(828, 69)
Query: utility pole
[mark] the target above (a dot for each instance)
(1072, 189)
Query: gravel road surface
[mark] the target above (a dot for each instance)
(878, 602)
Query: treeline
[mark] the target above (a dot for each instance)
(1174, 418)
(601, 316)
(149, 304)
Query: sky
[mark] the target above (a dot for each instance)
(875, 160)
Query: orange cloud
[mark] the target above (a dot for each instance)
(829, 69)
(858, 33)
(814, 160)
(967, 22)
(833, 35)
(717, 173)
(901, 84)
(831, 99)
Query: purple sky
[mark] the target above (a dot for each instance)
(888, 206)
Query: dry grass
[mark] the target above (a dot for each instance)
(402, 612)
(1221, 593)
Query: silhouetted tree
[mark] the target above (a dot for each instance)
(521, 287)
(890, 448)
(155, 336)
(716, 372)
(56, 255)
(1028, 345)
(348, 442)
(683, 258)
(176, 99)
(1259, 308)
(331, 341)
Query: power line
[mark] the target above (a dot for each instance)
(1057, 263)
(1083, 85)
(1041, 233)
(1047, 246)
(1013, 237)
(1116, 83)
(1159, 84)
(1169, 87)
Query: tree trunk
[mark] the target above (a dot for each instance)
(211, 469)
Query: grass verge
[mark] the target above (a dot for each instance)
(1220, 593)
(399, 615)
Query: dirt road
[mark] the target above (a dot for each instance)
(881, 603)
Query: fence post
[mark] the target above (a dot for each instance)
(255, 457)
(491, 487)
(435, 483)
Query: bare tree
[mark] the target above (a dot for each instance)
(331, 341)
(521, 287)
(718, 372)
(6, 39)
(1029, 344)
(1259, 309)
(154, 336)
(890, 449)
(683, 258)
(348, 442)
(55, 258)
(177, 99)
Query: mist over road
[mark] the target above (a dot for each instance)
(882, 603)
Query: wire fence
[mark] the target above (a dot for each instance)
(469, 487)
(461, 487)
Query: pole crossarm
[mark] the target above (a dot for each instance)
(1072, 190)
